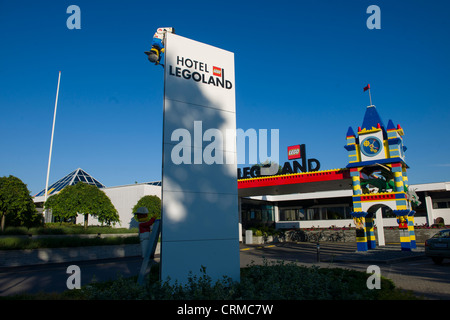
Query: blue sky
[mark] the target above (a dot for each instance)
(300, 67)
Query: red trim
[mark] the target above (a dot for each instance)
(377, 197)
(317, 176)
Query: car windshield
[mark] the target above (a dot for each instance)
(442, 234)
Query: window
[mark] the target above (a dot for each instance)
(440, 204)
(333, 213)
(256, 214)
(442, 234)
(315, 213)
(293, 214)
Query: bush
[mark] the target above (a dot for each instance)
(275, 281)
(264, 231)
(281, 281)
(153, 205)
(15, 231)
(65, 228)
(16, 205)
(14, 243)
(256, 232)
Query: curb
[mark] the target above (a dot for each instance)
(380, 256)
(76, 235)
(16, 258)
(375, 260)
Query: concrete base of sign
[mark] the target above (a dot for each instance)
(248, 237)
(219, 257)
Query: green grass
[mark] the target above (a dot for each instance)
(11, 241)
(14, 243)
(65, 228)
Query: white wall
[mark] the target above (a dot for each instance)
(124, 198)
(443, 213)
(340, 223)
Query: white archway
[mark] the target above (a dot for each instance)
(375, 211)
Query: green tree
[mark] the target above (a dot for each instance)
(153, 205)
(16, 204)
(85, 199)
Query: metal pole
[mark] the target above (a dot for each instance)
(370, 97)
(318, 251)
(51, 140)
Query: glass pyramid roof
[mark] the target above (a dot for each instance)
(72, 178)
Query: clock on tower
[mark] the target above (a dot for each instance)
(371, 146)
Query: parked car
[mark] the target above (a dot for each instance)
(438, 246)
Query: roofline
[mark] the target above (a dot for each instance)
(133, 184)
(420, 187)
(432, 186)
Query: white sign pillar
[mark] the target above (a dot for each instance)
(380, 227)
(199, 178)
(429, 206)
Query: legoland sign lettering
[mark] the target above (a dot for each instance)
(198, 71)
(299, 151)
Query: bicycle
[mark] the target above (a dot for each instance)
(317, 236)
(340, 237)
(320, 236)
(309, 237)
(331, 237)
(296, 235)
(282, 235)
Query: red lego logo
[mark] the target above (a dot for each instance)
(217, 71)
(294, 152)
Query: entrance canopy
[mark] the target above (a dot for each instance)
(326, 180)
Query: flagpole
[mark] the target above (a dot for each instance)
(51, 140)
(368, 88)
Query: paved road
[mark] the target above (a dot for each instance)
(416, 273)
(409, 271)
(53, 277)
